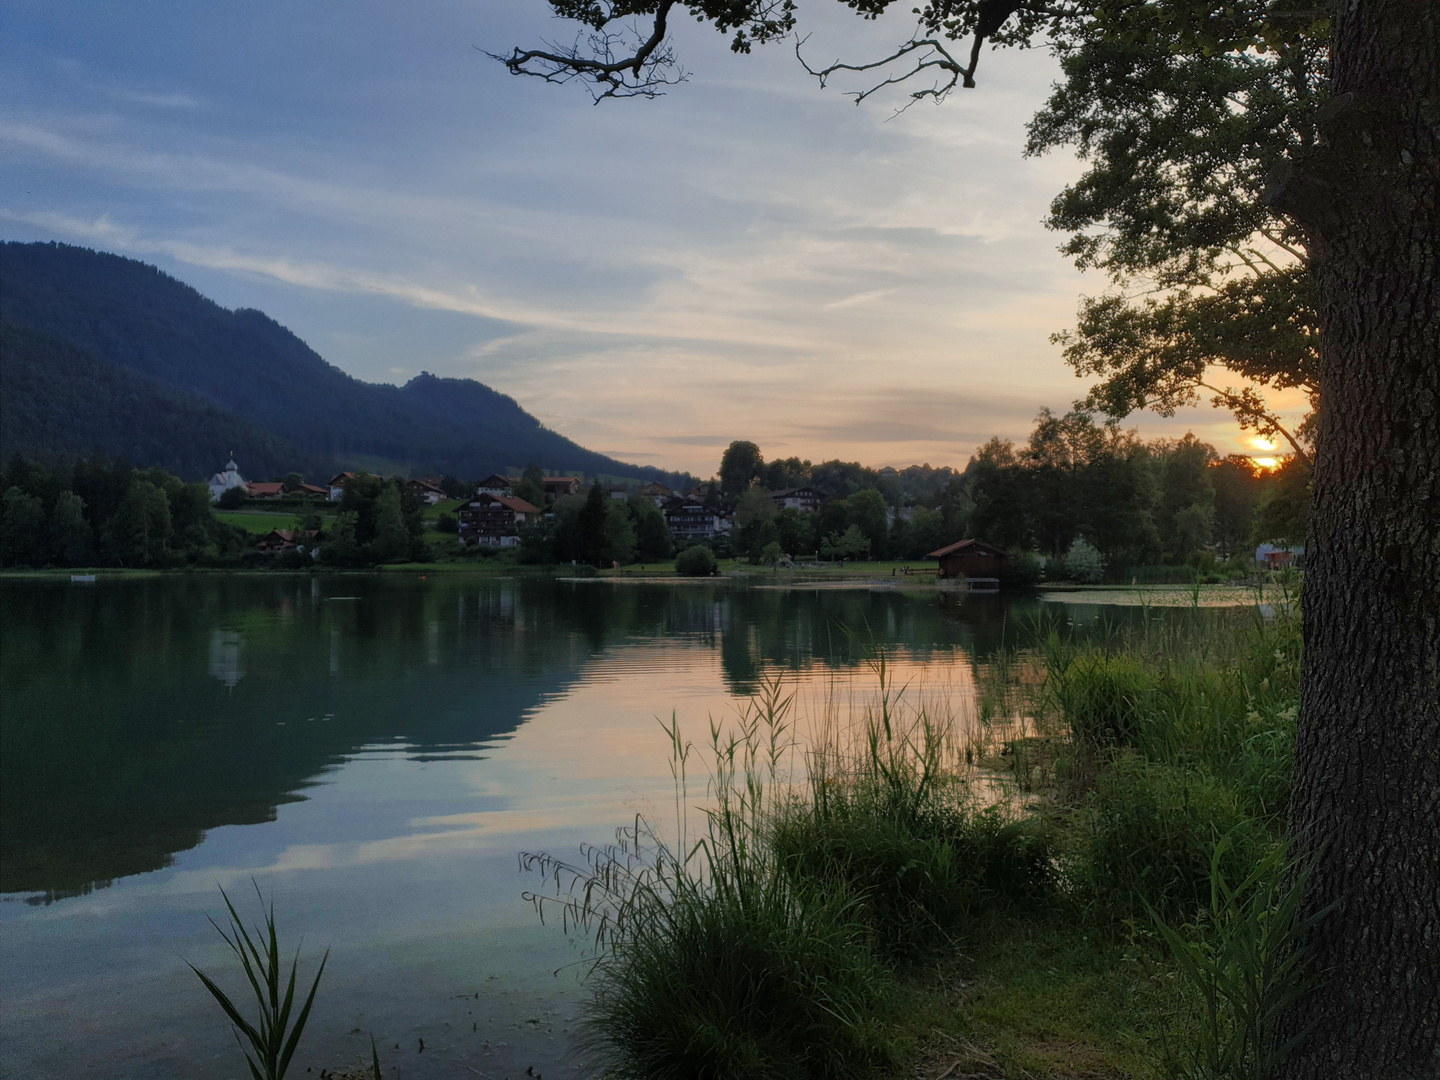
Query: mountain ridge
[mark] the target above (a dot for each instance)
(256, 372)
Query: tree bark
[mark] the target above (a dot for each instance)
(1366, 801)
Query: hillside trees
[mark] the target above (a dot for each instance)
(1306, 244)
(101, 513)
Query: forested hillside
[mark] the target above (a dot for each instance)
(131, 315)
(56, 399)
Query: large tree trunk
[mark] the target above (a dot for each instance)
(1366, 800)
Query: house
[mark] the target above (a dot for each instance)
(656, 491)
(309, 491)
(278, 540)
(226, 479)
(266, 490)
(620, 494)
(427, 491)
(337, 485)
(970, 559)
(1276, 557)
(495, 484)
(797, 498)
(691, 519)
(559, 486)
(495, 519)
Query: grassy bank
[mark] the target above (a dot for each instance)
(1078, 873)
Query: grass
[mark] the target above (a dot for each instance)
(259, 522)
(872, 896)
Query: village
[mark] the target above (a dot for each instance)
(499, 512)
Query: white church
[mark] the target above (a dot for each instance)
(222, 482)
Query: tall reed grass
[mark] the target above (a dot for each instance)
(1150, 770)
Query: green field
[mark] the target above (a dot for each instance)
(259, 522)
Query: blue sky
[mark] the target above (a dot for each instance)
(748, 257)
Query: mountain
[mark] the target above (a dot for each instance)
(221, 374)
(53, 390)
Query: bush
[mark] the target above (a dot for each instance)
(917, 878)
(1154, 832)
(1083, 562)
(447, 523)
(1105, 698)
(695, 561)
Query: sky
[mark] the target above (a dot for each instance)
(750, 256)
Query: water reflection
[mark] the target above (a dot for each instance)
(139, 715)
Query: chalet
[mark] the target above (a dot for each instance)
(797, 498)
(301, 540)
(691, 519)
(495, 484)
(620, 494)
(265, 490)
(560, 486)
(495, 519)
(226, 479)
(427, 491)
(656, 491)
(970, 559)
(308, 491)
(337, 485)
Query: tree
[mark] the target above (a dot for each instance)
(1237, 483)
(22, 529)
(139, 532)
(697, 560)
(1283, 514)
(231, 499)
(531, 487)
(1083, 562)
(392, 539)
(1333, 201)
(739, 465)
(70, 534)
(851, 544)
(866, 511)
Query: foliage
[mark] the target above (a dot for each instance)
(232, 498)
(379, 521)
(710, 960)
(105, 513)
(851, 544)
(697, 560)
(652, 535)
(740, 466)
(1180, 142)
(273, 1038)
(1283, 514)
(1245, 960)
(1083, 562)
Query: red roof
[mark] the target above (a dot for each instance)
(513, 502)
(968, 547)
(265, 488)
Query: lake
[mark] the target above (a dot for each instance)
(374, 751)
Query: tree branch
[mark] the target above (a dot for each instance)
(641, 73)
(1250, 411)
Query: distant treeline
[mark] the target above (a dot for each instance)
(100, 512)
(1132, 503)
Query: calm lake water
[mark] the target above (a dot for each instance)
(374, 752)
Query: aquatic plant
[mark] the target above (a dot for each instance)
(274, 1036)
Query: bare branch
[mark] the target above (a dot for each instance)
(644, 67)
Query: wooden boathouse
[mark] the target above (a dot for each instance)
(970, 559)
